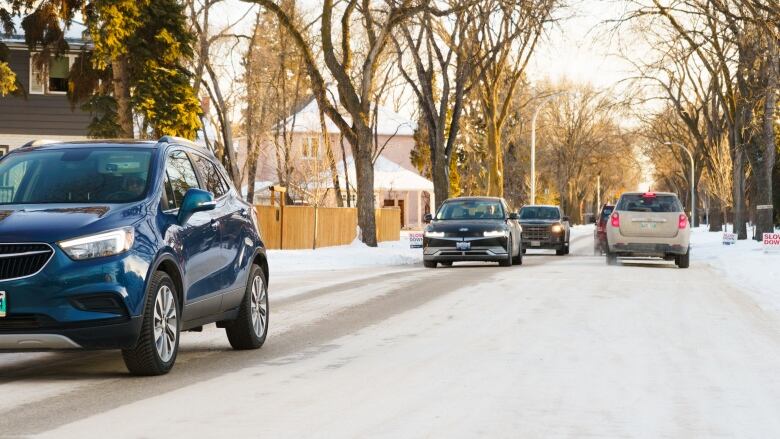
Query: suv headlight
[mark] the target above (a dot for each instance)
(496, 234)
(99, 245)
(557, 228)
(429, 234)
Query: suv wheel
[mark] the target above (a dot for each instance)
(684, 261)
(429, 264)
(509, 258)
(158, 343)
(560, 251)
(611, 258)
(249, 329)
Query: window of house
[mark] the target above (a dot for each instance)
(310, 147)
(52, 78)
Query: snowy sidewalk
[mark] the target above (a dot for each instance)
(346, 257)
(744, 264)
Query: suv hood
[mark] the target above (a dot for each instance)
(55, 222)
(539, 222)
(454, 226)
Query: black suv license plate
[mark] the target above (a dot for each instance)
(463, 246)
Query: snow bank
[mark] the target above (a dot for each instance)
(354, 256)
(744, 264)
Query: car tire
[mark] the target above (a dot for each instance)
(156, 354)
(509, 258)
(250, 328)
(446, 264)
(560, 251)
(684, 261)
(429, 264)
(523, 250)
(568, 247)
(611, 258)
(518, 260)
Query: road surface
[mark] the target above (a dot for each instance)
(558, 347)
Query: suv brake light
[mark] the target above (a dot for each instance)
(615, 218)
(683, 221)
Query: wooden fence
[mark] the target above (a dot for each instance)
(305, 227)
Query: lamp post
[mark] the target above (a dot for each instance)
(533, 140)
(693, 190)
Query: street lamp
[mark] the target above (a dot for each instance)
(533, 140)
(693, 191)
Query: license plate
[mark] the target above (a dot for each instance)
(536, 243)
(648, 225)
(463, 245)
(3, 303)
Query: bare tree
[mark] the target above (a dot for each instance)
(355, 82)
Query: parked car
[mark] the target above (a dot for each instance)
(472, 229)
(545, 227)
(123, 245)
(600, 232)
(650, 224)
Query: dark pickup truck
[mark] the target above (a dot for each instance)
(545, 227)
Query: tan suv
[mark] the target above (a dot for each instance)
(649, 224)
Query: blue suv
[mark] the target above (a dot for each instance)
(123, 245)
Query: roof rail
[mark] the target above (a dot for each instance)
(179, 140)
(39, 142)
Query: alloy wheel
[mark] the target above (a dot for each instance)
(165, 323)
(259, 306)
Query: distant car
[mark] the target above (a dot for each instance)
(649, 224)
(545, 227)
(123, 245)
(600, 232)
(472, 229)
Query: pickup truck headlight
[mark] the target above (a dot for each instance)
(496, 234)
(429, 234)
(557, 228)
(99, 245)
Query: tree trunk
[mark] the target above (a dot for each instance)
(440, 170)
(739, 195)
(496, 164)
(364, 170)
(121, 79)
(715, 215)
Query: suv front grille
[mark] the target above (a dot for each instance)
(536, 233)
(21, 260)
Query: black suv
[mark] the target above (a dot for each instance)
(545, 227)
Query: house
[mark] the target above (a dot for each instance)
(41, 109)
(311, 177)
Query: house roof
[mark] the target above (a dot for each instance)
(75, 35)
(388, 176)
(307, 120)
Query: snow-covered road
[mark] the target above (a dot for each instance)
(559, 347)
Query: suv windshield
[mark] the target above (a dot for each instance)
(470, 209)
(649, 203)
(540, 213)
(84, 175)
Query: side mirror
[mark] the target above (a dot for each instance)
(566, 218)
(514, 216)
(195, 200)
(427, 218)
